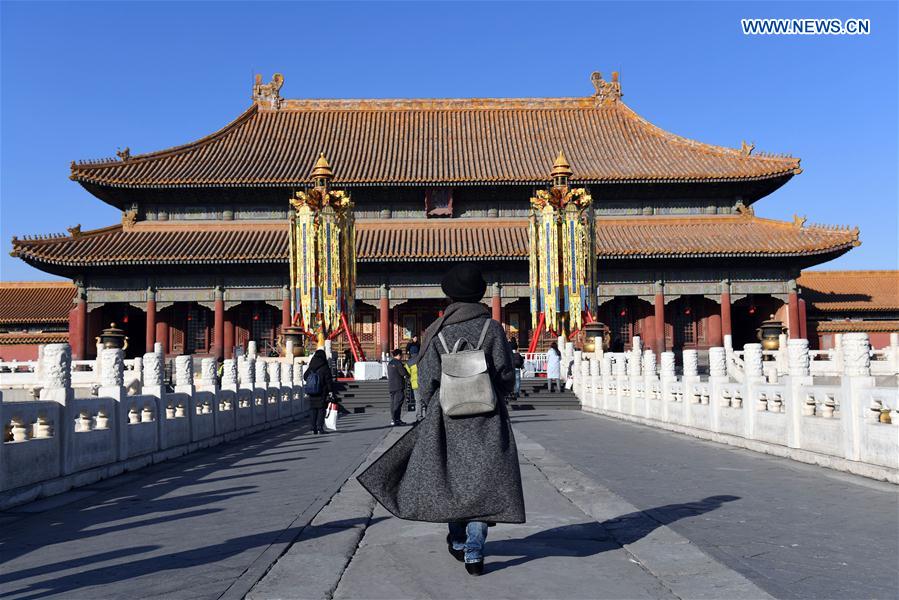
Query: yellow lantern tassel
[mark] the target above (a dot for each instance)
(292, 261)
(534, 267)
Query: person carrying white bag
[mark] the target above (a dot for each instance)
(319, 389)
(331, 415)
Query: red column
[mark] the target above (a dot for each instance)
(151, 323)
(78, 329)
(285, 313)
(496, 305)
(803, 322)
(660, 322)
(218, 331)
(715, 337)
(384, 321)
(725, 314)
(162, 333)
(793, 316)
(229, 336)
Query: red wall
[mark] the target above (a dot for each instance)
(19, 352)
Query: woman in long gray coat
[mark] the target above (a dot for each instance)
(457, 470)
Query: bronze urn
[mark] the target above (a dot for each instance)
(595, 330)
(113, 337)
(296, 337)
(769, 333)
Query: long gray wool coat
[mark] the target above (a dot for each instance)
(455, 469)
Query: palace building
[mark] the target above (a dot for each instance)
(199, 261)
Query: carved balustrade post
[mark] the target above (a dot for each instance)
(856, 354)
(667, 378)
(717, 379)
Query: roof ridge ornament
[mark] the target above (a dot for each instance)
(606, 92)
(268, 95)
(746, 149)
(321, 172)
(798, 221)
(746, 212)
(124, 155)
(75, 231)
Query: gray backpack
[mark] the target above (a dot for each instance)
(465, 386)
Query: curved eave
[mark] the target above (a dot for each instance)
(294, 184)
(36, 260)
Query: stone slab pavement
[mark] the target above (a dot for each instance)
(795, 530)
(205, 525)
(580, 541)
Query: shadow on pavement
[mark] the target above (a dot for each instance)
(588, 539)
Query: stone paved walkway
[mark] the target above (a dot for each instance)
(202, 526)
(796, 530)
(615, 510)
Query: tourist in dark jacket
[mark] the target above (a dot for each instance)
(413, 347)
(457, 470)
(397, 376)
(319, 402)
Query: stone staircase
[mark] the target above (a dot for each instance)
(535, 395)
(367, 396)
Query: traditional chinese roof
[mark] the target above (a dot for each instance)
(218, 242)
(32, 302)
(276, 142)
(25, 337)
(867, 326)
(851, 291)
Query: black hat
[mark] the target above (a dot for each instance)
(464, 283)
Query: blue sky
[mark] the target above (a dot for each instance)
(82, 79)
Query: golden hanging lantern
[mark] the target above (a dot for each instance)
(562, 251)
(322, 253)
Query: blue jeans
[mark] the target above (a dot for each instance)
(469, 536)
(517, 381)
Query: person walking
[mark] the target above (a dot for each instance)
(397, 376)
(554, 367)
(518, 365)
(412, 368)
(319, 385)
(349, 362)
(463, 470)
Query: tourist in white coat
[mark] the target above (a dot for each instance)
(554, 367)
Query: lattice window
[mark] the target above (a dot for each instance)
(620, 325)
(684, 327)
(196, 339)
(262, 327)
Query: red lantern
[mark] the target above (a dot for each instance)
(752, 310)
(125, 319)
(687, 311)
(623, 312)
(256, 317)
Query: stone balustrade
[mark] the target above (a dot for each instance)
(74, 436)
(851, 426)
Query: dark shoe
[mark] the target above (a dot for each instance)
(475, 568)
(457, 554)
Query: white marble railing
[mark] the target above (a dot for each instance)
(851, 426)
(534, 362)
(73, 436)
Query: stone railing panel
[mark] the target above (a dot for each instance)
(202, 415)
(90, 436)
(174, 420)
(31, 449)
(140, 425)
